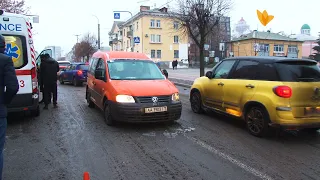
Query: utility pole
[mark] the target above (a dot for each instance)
(98, 31)
(77, 35)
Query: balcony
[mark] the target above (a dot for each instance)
(129, 34)
(115, 40)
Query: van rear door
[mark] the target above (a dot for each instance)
(16, 48)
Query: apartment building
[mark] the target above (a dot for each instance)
(155, 34)
(267, 43)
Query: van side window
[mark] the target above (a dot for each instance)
(101, 66)
(93, 66)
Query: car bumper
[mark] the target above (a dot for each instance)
(135, 112)
(81, 79)
(286, 120)
(24, 102)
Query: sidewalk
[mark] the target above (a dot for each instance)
(184, 77)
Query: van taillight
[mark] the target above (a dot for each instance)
(79, 72)
(283, 91)
(33, 73)
(34, 81)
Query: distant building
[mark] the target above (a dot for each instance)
(220, 35)
(265, 44)
(56, 51)
(241, 28)
(309, 40)
(159, 35)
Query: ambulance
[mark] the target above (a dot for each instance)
(16, 30)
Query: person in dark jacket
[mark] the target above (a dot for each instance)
(49, 69)
(42, 58)
(8, 89)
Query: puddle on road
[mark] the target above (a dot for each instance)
(172, 133)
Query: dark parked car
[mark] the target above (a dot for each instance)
(75, 73)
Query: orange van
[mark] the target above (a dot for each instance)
(129, 87)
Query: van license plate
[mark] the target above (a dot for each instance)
(156, 109)
(309, 111)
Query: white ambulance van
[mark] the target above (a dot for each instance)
(16, 30)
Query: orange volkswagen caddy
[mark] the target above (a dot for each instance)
(129, 87)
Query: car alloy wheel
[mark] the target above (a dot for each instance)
(257, 122)
(196, 102)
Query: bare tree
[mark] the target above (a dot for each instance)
(198, 18)
(14, 6)
(86, 47)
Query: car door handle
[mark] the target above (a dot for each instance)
(250, 86)
(220, 84)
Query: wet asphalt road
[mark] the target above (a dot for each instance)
(63, 143)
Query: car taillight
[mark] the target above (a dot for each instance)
(283, 91)
(34, 80)
(79, 72)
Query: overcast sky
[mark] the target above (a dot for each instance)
(61, 20)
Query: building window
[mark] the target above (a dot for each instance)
(152, 23)
(292, 49)
(153, 53)
(128, 43)
(176, 39)
(278, 48)
(137, 25)
(176, 25)
(158, 53)
(264, 47)
(158, 24)
(176, 54)
(124, 32)
(155, 38)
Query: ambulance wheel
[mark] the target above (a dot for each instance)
(61, 80)
(36, 112)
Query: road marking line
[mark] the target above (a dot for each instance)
(230, 159)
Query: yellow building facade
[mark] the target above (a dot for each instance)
(266, 44)
(160, 36)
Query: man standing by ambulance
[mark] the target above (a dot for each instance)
(8, 89)
(49, 69)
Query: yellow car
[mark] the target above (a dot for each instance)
(263, 91)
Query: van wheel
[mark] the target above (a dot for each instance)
(257, 121)
(89, 101)
(61, 80)
(107, 115)
(36, 112)
(196, 103)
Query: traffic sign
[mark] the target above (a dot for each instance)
(116, 15)
(136, 40)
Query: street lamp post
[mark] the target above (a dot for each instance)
(98, 31)
(132, 41)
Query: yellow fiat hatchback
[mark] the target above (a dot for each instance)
(263, 91)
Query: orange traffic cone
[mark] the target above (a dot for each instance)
(86, 176)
